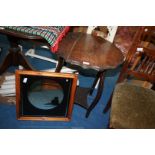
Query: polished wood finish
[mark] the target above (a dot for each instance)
(15, 56)
(141, 65)
(19, 34)
(89, 52)
(136, 110)
(98, 76)
(60, 64)
(131, 52)
(99, 93)
(135, 43)
(140, 39)
(45, 74)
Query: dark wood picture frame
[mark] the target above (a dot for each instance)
(20, 94)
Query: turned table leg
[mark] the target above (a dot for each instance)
(99, 93)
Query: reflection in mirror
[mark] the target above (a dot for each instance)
(45, 94)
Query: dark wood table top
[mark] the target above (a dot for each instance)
(24, 36)
(90, 52)
(19, 34)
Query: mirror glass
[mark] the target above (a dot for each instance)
(45, 94)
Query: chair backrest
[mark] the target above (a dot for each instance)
(143, 65)
(140, 61)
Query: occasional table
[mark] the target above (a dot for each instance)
(49, 35)
(15, 55)
(89, 52)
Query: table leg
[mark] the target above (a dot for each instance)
(94, 83)
(108, 105)
(61, 63)
(23, 61)
(99, 93)
(14, 58)
(5, 64)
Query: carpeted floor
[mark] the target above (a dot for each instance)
(96, 120)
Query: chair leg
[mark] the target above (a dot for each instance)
(98, 95)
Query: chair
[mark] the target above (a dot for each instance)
(142, 38)
(133, 105)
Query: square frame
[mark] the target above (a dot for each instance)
(20, 101)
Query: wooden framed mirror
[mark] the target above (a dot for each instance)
(44, 95)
